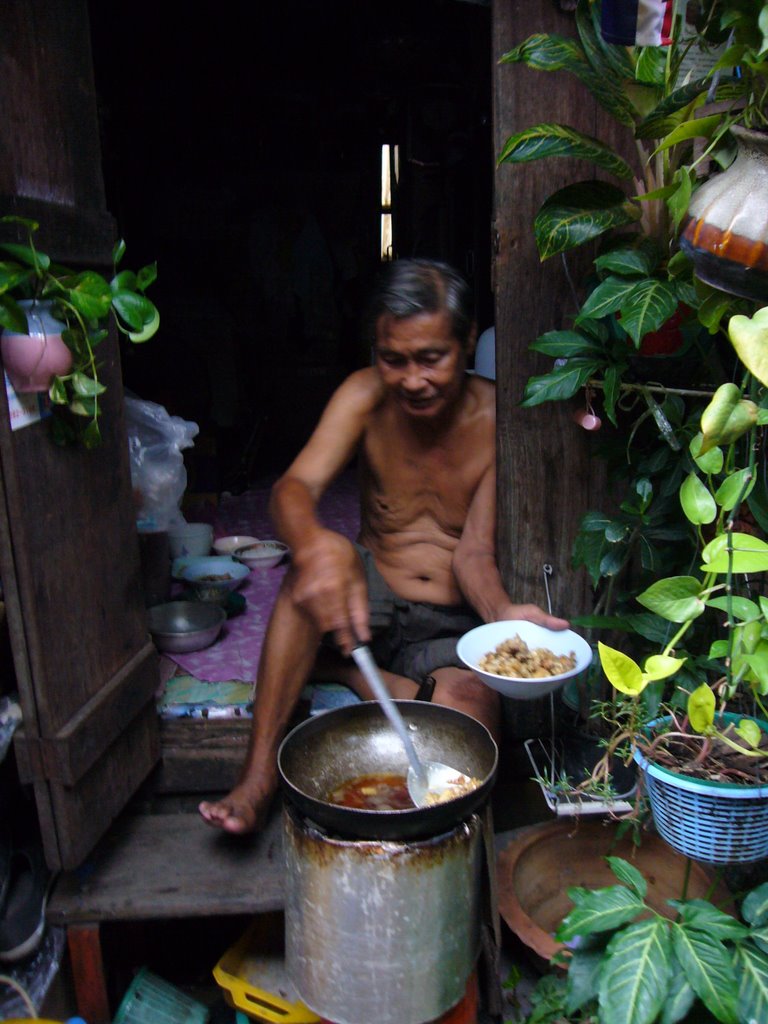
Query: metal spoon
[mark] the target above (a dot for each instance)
(425, 779)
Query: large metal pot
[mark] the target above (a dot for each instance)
(378, 930)
(325, 751)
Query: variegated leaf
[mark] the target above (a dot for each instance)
(549, 140)
(752, 971)
(649, 306)
(678, 106)
(567, 345)
(705, 916)
(680, 996)
(607, 297)
(627, 262)
(709, 970)
(635, 978)
(562, 382)
(548, 52)
(754, 909)
(629, 875)
(578, 213)
(612, 66)
(598, 910)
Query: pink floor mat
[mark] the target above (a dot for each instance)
(235, 655)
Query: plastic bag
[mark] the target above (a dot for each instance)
(158, 473)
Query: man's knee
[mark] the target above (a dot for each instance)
(462, 689)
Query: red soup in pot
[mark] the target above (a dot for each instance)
(379, 791)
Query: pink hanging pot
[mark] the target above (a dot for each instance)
(32, 360)
(726, 234)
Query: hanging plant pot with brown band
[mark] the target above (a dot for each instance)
(726, 234)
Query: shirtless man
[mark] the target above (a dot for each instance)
(424, 571)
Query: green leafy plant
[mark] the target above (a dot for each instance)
(647, 336)
(629, 964)
(85, 301)
(647, 91)
(724, 584)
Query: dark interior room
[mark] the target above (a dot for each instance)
(245, 154)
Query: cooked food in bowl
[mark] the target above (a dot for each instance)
(514, 659)
(213, 577)
(476, 645)
(264, 554)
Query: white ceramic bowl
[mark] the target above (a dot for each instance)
(213, 577)
(480, 641)
(264, 554)
(226, 545)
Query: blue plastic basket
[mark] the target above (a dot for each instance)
(152, 1000)
(714, 822)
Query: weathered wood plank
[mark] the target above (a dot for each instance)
(157, 866)
(545, 478)
(69, 550)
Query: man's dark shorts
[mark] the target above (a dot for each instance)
(412, 638)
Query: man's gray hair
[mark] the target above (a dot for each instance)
(411, 287)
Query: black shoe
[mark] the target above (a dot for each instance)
(22, 917)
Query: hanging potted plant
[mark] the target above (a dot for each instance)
(53, 320)
(726, 228)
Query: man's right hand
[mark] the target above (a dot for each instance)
(329, 584)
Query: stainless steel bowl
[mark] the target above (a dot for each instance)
(181, 626)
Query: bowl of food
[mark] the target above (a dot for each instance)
(181, 626)
(226, 545)
(521, 659)
(264, 554)
(213, 577)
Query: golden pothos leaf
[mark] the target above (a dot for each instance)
(701, 708)
(621, 671)
(661, 666)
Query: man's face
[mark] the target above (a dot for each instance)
(420, 362)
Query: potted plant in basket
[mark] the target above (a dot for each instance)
(705, 758)
(42, 303)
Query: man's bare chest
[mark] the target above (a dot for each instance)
(403, 487)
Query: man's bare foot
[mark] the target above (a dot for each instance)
(241, 811)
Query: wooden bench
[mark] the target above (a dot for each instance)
(153, 866)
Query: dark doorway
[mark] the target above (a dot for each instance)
(242, 151)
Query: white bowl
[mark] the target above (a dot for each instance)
(264, 554)
(480, 641)
(226, 545)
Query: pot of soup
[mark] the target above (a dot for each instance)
(345, 770)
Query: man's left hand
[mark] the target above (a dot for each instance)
(532, 613)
